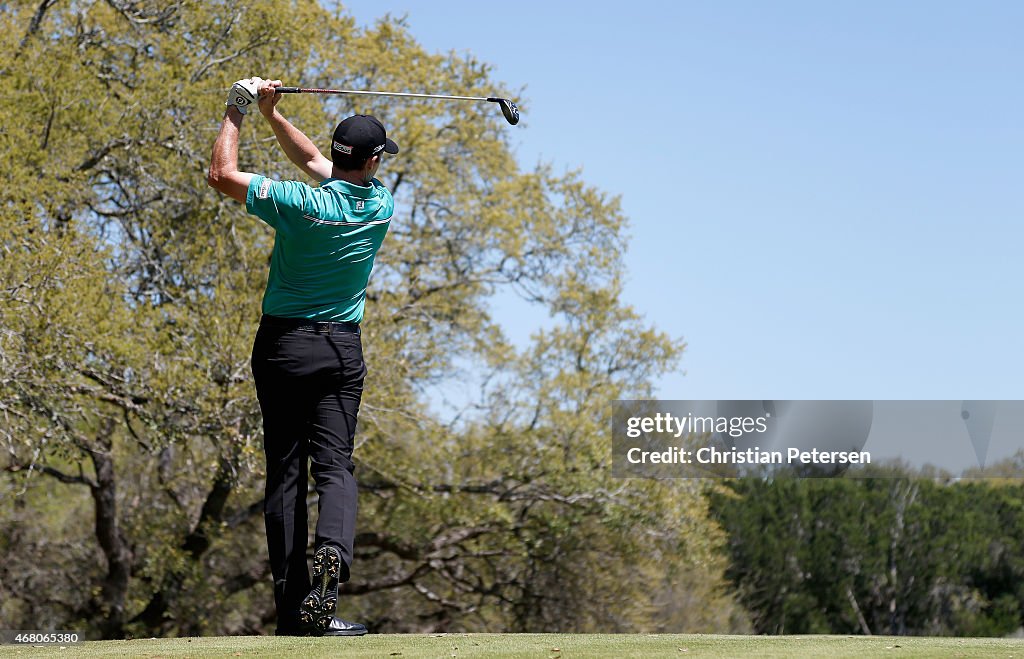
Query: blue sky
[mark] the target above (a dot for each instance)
(825, 198)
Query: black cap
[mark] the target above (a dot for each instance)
(361, 136)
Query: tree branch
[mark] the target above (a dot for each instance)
(50, 471)
(37, 19)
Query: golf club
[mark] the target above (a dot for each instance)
(508, 108)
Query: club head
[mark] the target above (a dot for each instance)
(508, 108)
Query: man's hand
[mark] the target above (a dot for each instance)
(244, 93)
(268, 99)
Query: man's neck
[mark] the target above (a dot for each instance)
(355, 178)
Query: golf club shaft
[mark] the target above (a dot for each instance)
(508, 108)
(313, 90)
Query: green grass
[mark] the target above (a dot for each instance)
(448, 646)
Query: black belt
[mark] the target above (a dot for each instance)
(308, 325)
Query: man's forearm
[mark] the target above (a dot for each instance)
(225, 148)
(299, 148)
(224, 174)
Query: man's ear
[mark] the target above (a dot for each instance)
(371, 162)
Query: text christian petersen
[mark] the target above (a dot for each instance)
(663, 424)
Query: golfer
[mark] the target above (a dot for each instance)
(307, 359)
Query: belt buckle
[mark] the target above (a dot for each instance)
(322, 327)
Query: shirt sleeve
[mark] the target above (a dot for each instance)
(278, 203)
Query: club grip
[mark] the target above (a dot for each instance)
(287, 90)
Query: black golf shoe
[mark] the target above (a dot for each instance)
(317, 610)
(339, 627)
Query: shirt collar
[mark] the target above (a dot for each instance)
(364, 191)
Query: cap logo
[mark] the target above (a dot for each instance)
(347, 150)
(377, 149)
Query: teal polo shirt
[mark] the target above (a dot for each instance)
(325, 240)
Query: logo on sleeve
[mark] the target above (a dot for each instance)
(264, 190)
(360, 205)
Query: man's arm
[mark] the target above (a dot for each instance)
(224, 175)
(299, 148)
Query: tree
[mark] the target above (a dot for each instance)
(132, 437)
(892, 554)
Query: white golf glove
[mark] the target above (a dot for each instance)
(244, 93)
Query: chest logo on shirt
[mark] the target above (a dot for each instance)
(360, 205)
(264, 190)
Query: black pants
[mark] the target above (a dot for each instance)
(309, 385)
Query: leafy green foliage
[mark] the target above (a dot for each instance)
(131, 291)
(880, 556)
